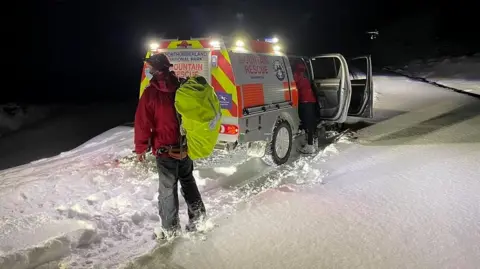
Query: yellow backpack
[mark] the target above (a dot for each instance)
(199, 108)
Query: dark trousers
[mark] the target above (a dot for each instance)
(168, 170)
(307, 113)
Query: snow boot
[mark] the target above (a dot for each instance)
(308, 149)
(191, 228)
(195, 226)
(303, 141)
(164, 235)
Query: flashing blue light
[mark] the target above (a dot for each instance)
(272, 40)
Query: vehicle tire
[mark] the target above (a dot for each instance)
(279, 148)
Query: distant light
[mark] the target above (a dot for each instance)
(240, 43)
(277, 48)
(154, 46)
(273, 40)
(239, 49)
(215, 43)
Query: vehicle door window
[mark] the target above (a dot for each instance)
(295, 61)
(326, 68)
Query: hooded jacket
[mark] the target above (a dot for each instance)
(156, 116)
(305, 92)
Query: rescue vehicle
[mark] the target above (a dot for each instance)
(254, 82)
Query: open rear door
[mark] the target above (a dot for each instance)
(331, 84)
(361, 79)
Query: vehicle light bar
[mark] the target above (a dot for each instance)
(273, 40)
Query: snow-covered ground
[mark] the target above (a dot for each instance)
(401, 193)
(461, 73)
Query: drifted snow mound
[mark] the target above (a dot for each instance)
(461, 73)
(36, 240)
(403, 194)
(96, 207)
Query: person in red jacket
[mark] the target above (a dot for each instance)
(157, 124)
(307, 106)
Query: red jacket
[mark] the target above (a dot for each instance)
(156, 117)
(305, 92)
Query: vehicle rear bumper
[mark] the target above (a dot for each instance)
(226, 142)
(227, 138)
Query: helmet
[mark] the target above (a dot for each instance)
(159, 61)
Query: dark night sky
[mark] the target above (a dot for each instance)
(88, 50)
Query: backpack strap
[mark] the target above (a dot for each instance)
(181, 138)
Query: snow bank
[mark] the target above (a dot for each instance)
(14, 116)
(461, 73)
(37, 239)
(403, 195)
(99, 192)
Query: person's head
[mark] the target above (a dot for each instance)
(158, 63)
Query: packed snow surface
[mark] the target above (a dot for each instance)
(462, 73)
(403, 192)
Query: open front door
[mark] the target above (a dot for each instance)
(361, 79)
(332, 86)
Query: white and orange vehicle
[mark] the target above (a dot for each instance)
(254, 83)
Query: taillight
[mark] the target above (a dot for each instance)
(229, 129)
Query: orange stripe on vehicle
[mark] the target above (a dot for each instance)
(253, 95)
(190, 44)
(226, 67)
(164, 44)
(225, 112)
(226, 56)
(144, 80)
(239, 103)
(286, 91)
(143, 72)
(293, 87)
(226, 82)
(205, 43)
(174, 44)
(143, 86)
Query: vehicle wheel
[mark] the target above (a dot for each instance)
(282, 140)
